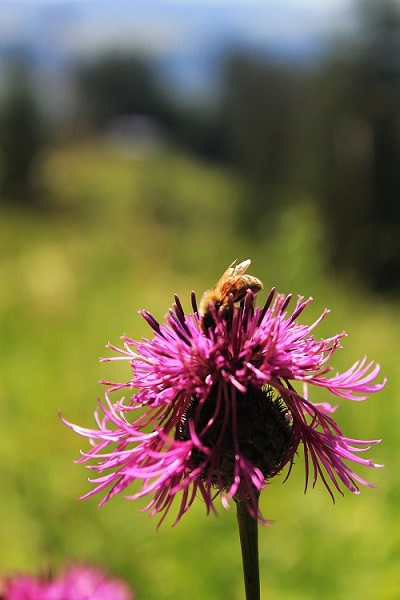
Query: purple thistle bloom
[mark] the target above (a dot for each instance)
(218, 413)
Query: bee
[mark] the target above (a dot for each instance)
(234, 282)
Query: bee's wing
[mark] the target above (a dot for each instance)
(240, 269)
(230, 277)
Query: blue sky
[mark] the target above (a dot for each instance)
(160, 23)
(189, 34)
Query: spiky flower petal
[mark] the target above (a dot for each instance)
(221, 414)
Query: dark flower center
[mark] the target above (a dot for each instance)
(257, 426)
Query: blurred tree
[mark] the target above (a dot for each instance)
(21, 136)
(363, 116)
(202, 130)
(125, 84)
(120, 84)
(259, 107)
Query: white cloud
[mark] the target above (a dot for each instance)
(141, 33)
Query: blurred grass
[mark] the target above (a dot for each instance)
(121, 235)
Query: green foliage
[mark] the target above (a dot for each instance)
(21, 137)
(360, 84)
(123, 235)
(116, 84)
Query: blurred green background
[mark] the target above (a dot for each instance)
(133, 198)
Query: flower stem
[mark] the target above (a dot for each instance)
(248, 533)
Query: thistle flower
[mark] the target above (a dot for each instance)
(221, 410)
(77, 583)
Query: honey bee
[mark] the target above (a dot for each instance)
(233, 282)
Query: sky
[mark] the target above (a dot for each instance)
(185, 35)
(106, 19)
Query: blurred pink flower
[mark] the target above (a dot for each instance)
(78, 583)
(221, 414)
(23, 587)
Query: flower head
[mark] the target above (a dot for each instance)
(218, 410)
(77, 583)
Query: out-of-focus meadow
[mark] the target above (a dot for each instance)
(135, 201)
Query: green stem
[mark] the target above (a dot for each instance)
(248, 532)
